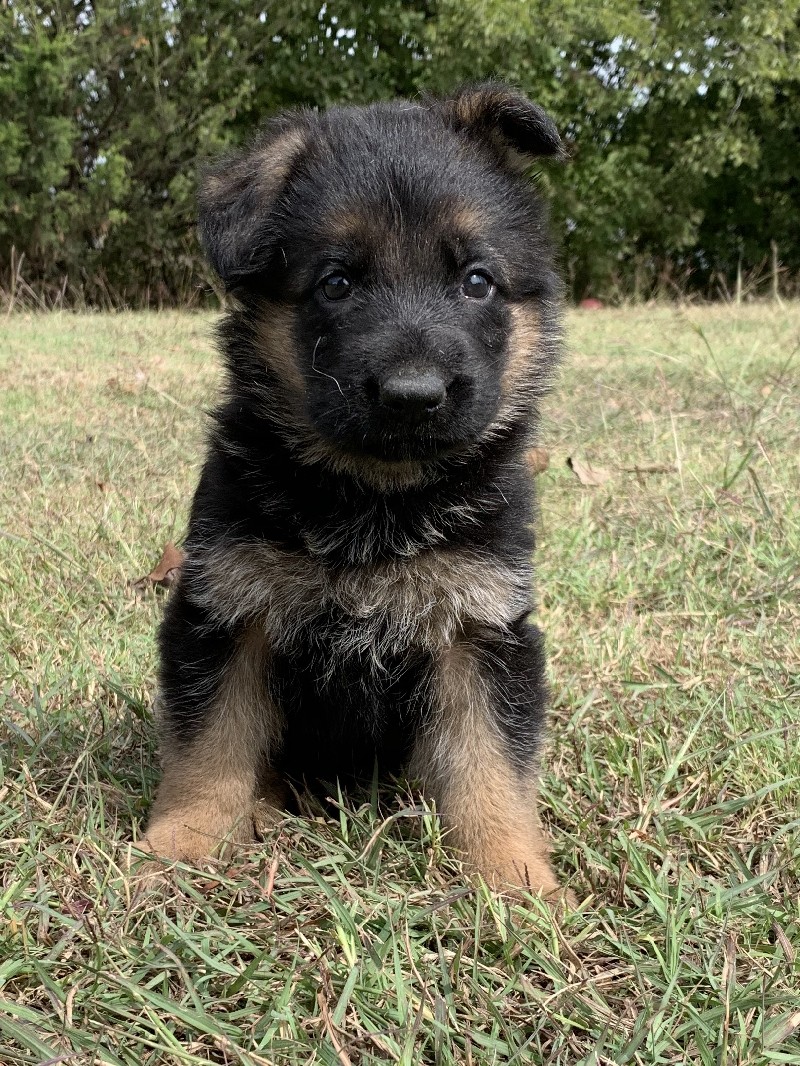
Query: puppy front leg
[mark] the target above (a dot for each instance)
(218, 727)
(477, 756)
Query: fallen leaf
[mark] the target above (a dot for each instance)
(164, 573)
(588, 474)
(79, 907)
(538, 460)
(591, 303)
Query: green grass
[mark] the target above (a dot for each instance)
(671, 601)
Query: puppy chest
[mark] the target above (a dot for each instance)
(377, 611)
(342, 713)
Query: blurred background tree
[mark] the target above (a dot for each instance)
(682, 118)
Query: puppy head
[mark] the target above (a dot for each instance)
(396, 266)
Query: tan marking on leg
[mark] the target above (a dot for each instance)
(208, 790)
(481, 797)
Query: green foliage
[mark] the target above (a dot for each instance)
(682, 117)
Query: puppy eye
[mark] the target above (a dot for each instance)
(336, 287)
(477, 285)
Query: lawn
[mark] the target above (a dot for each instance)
(670, 594)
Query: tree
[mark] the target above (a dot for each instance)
(681, 116)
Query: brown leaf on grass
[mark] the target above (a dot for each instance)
(538, 460)
(164, 573)
(79, 907)
(724, 496)
(588, 474)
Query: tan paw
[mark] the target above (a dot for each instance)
(530, 873)
(189, 838)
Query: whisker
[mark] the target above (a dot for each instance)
(316, 369)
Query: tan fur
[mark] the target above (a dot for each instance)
(207, 791)
(473, 109)
(376, 229)
(522, 347)
(422, 600)
(461, 761)
(277, 159)
(466, 220)
(359, 226)
(275, 332)
(380, 474)
(525, 375)
(272, 165)
(470, 107)
(380, 233)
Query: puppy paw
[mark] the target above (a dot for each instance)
(189, 838)
(531, 873)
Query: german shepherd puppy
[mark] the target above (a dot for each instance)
(358, 572)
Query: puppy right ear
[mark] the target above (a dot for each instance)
(238, 194)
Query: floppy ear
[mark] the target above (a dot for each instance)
(504, 119)
(238, 193)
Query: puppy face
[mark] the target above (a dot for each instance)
(396, 266)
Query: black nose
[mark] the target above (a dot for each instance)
(413, 393)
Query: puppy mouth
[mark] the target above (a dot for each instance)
(424, 439)
(397, 446)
